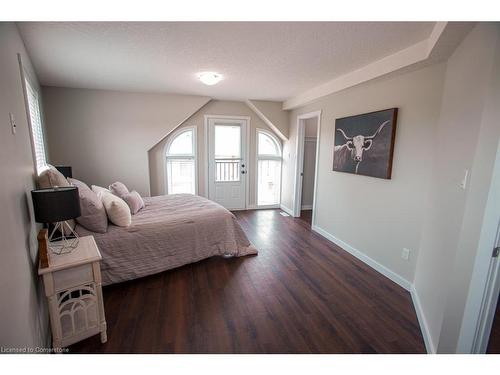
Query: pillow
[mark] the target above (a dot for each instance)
(134, 201)
(93, 216)
(116, 209)
(99, 190)
(50, 178)
(119, 189)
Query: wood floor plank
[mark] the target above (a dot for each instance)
(300, 294)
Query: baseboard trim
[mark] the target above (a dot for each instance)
(306, 207)
(286, 209)
(401, 281)
(398, 279)
(267, 207)
(424, 327)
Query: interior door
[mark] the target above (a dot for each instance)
(227, 167)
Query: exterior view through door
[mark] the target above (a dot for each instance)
(227, 164)
(268, 170)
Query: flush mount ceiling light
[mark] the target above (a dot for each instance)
(210, 78)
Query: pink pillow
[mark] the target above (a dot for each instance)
(93, 216)
(119, 189)
(134, 201)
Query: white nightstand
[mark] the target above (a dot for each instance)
(73, 288)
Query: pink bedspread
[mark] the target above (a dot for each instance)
(169, 232)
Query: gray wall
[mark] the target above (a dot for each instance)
(447, 122)
(106, 135)
(375, 216)
(466, 138)
(215, 107)
(274, 113)
(23, 313)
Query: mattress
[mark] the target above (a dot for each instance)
(170, 231)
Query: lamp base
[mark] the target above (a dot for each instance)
(64, 244)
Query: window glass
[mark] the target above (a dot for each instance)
(267, 145)
(36, 127)
(181, 176)
(182, 144)
(227, 142)
(268, 170)
(269, 182)
(181, 164)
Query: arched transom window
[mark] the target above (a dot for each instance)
(268, 169)
(181, 162)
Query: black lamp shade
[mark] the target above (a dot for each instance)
(56, 204)
(66, 171)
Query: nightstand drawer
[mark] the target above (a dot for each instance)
(72, 277)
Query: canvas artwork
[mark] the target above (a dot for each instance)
(364, 144)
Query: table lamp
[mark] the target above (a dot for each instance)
(65, 170)
(56, 206)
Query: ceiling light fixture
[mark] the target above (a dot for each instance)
(210, 78)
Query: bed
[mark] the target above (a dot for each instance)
(170, 231)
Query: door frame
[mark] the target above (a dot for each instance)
(485, 282)
(207, 118)
(299, 163)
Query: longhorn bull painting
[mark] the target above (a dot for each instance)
(364, 144)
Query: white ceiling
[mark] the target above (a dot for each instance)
(259, 60)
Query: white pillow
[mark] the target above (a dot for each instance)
(99, 190)
(116, 208)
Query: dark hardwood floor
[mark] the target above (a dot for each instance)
(494, 342)
(301, 294)
(306, 215)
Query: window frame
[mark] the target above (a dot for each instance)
(193, 156)
(258, 157)
(30, 89)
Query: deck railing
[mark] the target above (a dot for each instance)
(227, 170)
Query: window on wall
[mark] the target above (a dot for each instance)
(181, 162)
(36, 127)
(268, 169)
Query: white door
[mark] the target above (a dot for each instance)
(227, 167)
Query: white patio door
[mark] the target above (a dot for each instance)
(227, 164)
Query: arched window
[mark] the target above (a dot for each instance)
(181, 162)
(268, 169)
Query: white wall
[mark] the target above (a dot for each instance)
(215, 107)
(23, 313)
(375, 216)
(466, 138)
(105, 135)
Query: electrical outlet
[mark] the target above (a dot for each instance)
(12, 123)
(405, 254)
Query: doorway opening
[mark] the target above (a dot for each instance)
(308, 130)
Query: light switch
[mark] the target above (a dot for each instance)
(405, 254)
(12, 123)
(463, 184)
